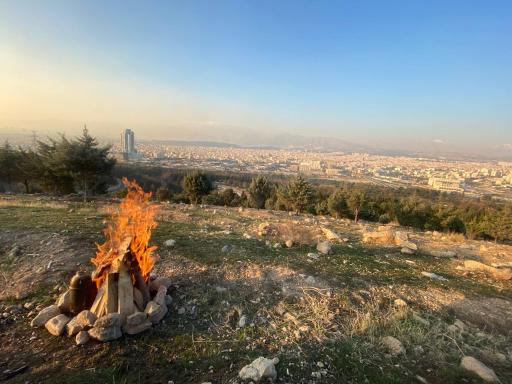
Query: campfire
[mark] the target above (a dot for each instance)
(120, 295)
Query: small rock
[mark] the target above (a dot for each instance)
(86, 319)
(155, 312)
(220, 289)
(226, 249)
(480, 369)
(421, 320)
(277, 245)
(407, 251)
(433, 276)
(399, 303)
(181, 311)
(110, 320)
(160, 295)
(410, 245)
(324, 247)
(443, 253)
(64, 301)
(313, 256)
(28, 305)
(136, 323)
(242, 321)
(73, 327)
(82, 338)
(393, 345)
(105, 333)
(44, 315)
(289, 243)
(170, 243)
(57, 324)
(261, 368)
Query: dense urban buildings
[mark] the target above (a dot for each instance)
(472, 178)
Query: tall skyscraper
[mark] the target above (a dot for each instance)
(128, 141)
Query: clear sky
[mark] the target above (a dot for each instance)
(365, 71)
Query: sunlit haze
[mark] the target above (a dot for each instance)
(396, 74)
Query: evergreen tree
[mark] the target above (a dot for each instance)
(300, 194)
(355, 203)
(88, 163)
(196, 185)
(259, 191)
(337, 204)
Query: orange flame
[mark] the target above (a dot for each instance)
(134, 220)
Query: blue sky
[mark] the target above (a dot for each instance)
(375, 71)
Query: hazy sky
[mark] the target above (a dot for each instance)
(365, 71)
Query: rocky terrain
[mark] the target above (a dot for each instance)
(260, 296)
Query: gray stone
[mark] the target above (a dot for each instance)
(220, 289)
(57, 324)
(160, 295)
(73, 327)
(170, 243)
(155, 312)
(433, 276)
(159, 281)
(261, 368)
(242, 322)
(86, 319)
(443, 253)
(312, 255)
(44, 315)
(393, 345)
(105, 333)
(407, 251)
(136, 323)
(324, 247)
(110, 320)
(480, 369)
(82, 338)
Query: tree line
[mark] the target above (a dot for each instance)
(422, 209)
(59, 166)
(63, 166)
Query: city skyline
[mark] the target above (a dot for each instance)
(396, 75)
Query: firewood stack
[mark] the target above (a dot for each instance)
(126, 299)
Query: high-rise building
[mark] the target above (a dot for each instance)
(128, 141)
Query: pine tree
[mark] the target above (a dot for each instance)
(196, 185)
(259, 191)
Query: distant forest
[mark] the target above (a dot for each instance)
(81, 166)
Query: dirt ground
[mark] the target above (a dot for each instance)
(323, 318)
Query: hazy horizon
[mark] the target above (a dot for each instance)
(398, 75)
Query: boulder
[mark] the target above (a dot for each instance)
(57, 324)
(393, 345)
(86, 319)
(73, 327)
(330, 235)
(261, 368)
(324, 247)
(82, 338)
(382, 237)
(105, 333)
(44, 315)
(496, 273)
(155, 312)
(478, 368)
